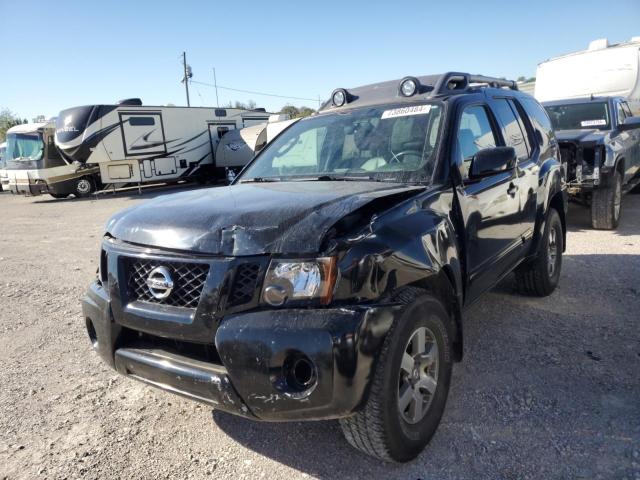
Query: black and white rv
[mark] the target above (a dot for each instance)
(133, 143)
(34, 165)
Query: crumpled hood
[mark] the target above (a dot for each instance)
(248, 219)
(591, 136)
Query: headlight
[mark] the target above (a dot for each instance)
(300, 280)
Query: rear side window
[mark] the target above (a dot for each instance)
(474, 134)
(627, 110)
(514, 136)
(539, 118)
(141, 121)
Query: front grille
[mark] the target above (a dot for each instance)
(188, 280)
(244, 284)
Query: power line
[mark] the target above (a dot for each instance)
(254, 93)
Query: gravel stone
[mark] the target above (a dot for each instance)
(548, 388)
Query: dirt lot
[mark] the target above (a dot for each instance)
(549, 388)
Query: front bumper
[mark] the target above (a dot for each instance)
(251, 377)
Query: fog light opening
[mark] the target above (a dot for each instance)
(300, 373)
(93, 336)
(303, 372)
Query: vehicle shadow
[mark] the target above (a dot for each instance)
(146, 193)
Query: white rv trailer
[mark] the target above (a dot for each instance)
(600, 70)
(134, 143)
(34, 164)
(237, 147)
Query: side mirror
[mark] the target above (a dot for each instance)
(630, 123)
(492, 160)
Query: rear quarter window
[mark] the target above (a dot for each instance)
(539, 118)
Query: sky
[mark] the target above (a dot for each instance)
(66, 53)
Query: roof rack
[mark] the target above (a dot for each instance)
(455, 81)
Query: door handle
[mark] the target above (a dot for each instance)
(513, 188)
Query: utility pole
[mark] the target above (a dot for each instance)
(187, 75)
(215, 84)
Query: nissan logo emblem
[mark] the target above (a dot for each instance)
(160, 283)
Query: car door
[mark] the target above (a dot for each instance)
(512, 119)
(633, 156)
(489, 206)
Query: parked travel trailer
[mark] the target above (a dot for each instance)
(34, 164)
(600, 70)
(134, 143)
(238, 147)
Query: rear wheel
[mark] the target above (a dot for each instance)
(606, 204)
(410, 386)
(541, 275)
(84, 187)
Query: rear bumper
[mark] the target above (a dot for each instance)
(252, 376)
(30, 188)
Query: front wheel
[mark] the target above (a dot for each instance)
(410, 385)
(541, 275)
(606, 204)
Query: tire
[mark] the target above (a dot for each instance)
(606, 205)
(59, 195)
(380, 428)
(84, 187)
(541, 275)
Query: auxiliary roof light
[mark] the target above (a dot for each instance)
(408, 86)
(339, 97)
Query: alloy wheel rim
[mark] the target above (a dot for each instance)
(552, 253)
(84, 186)
(418, 375)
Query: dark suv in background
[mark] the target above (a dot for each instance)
(599, 142)
(329, 281)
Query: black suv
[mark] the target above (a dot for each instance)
(329, 281)
(599, 141)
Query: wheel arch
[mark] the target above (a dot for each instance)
(554, 195)
(441, 286)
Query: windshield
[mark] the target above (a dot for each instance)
(24, 146)
(579, 115)
(378, 143)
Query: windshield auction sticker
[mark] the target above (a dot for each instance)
(593, 123)
(406, 111)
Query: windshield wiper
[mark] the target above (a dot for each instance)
(354, 178)
(341, 178)
(260, 180)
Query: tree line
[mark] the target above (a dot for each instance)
(8, 119)
(288, 109)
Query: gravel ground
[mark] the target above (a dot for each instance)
(549, 388)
